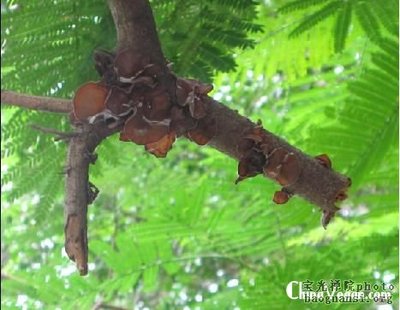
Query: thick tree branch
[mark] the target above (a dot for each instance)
(134, 23)
(315, 183)
(306, 176)
(46, 104)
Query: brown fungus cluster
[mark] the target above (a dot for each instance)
(277, 163)
(134, 90)
(282, 196)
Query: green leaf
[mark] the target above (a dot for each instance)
(342, 26)
(368, 21)
(299, 5)
(315, 18)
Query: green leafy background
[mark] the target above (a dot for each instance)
(177, 233)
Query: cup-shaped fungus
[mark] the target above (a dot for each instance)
(250, 165)
(197, 108)
(142, 131)
(282, 166)
(274, 162)
(158, 105)
(118, 102)
(182, 92)
(203, 89)
(103, 62)
(204, 132)
(281, 197)
(187, 90)
(161, 147)
(199, 88)
(290, 170)
(89, 100)
(324, 160)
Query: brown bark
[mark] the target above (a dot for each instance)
(134, 23)
(47, 104)
(316, 183)
(79, 192)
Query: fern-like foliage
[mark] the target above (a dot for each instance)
(316, 261)
(315, 18)
(373, 16)
(205, 33)
(342, 26)
(374, 93)
(299, 5)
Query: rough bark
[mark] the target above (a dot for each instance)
(47, 104)
(79, 192)
(316, 183)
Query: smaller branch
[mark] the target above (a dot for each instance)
(60, 135)
(79, 191)
(46, 104)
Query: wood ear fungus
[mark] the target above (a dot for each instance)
(159, 105)
(103, 62)
(161, 147)
(250, 165)
(187, 90)
(281, 197)
(89, 100)
(197, 108)
(118, 102)
(282, 166)
(140, 131)
(324, 160)
(290, 170)
(204, 131)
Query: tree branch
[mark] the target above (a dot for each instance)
(46, 104)
(134, 23)
(236, 135)
(315, 182)
(79, 192)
